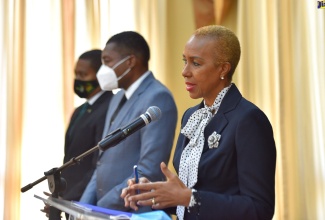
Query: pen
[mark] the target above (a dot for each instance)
(136, 176)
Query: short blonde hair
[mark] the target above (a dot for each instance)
(227, 47)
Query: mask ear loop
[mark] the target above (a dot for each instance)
(126, 72)
(118, 63)
(121, 61)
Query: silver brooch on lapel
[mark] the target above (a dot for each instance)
(213, 140)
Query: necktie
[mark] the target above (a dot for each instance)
(123, 100)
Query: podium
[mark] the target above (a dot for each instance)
(81, 211)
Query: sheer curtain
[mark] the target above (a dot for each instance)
(151, 22)
(40, 42)
(69, 30)
(42, 109)
(282, 72)
(12, 61)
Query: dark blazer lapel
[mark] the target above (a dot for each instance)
(220, 121)
(230, 100)
(217, 124)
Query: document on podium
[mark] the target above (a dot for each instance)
(80, 211)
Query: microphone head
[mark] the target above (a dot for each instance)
(154, 112)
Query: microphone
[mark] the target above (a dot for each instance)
(153, 113)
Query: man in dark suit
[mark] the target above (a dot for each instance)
(86, 125)
(125, 65)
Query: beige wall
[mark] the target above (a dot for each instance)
(180, 26)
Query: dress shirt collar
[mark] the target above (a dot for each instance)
(93, 99)
(135, 85)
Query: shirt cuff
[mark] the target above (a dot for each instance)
(195, 203)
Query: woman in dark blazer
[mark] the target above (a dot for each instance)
(225, 155)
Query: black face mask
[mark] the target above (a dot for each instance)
(84, 88)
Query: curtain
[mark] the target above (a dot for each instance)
(207, 12)
(281, 71)
(32, 121)
(150, 21)
(68, 20)
(12, 24)
(39, 47)
(43, 121)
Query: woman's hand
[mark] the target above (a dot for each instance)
(46, 208)
(161, 195)
(128, 191)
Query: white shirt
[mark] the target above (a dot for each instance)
(93, 99)
(135, 85)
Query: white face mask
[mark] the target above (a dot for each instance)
(107, 77)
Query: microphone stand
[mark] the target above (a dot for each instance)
(57, 184)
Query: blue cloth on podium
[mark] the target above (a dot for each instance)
(153, 215)
(103, 210)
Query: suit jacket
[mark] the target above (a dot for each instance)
(147, 147)
(83, 133)
(237, 179)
